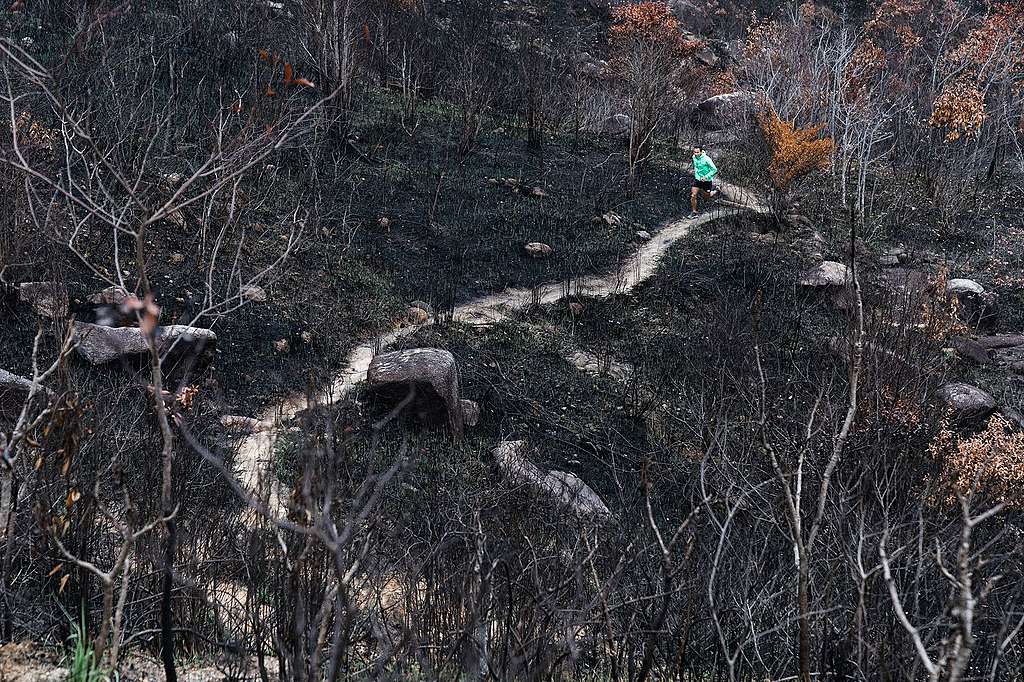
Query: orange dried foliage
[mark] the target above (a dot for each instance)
(959, 110)
(1005, 22)
(796, 152)
(991, 462)
(647, 22)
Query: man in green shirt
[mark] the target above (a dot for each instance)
(704, 171)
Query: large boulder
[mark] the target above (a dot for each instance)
(434, 374)
(563, 488)
(977, 306)
(966, 404)
(721, 112)
(48, 299)
(826, 275)
(99, 345)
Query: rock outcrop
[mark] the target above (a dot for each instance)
(722, 112)
(99, 345)
(48, 299)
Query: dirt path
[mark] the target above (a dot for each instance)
(255, 454)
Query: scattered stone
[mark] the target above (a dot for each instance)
(417, 316)
(576, 308)
(251, 292)
(470, 412)
(233, 422)
(422, 305)
(48, 299)
(964, 286)
(112, 296)
(724, 111)
(384, 223)
(306, 336)
(177, 258)
(14, 390)
(892, 257)
(706, 56)
(619, 124)
(828, 274)
(99, 345)
(561, 487)
(432, 371)
(538, 250)
(282, 346)
(27, 42)
(643, 235)
(537, 192)
(966, 404)
(611, 218)
(171, 179)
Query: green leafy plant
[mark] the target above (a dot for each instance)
(82, 663)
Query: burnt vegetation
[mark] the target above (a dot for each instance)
(350, 339)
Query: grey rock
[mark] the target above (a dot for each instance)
(112, 296)
(1014, 416)
(977, 306)
(576, 494)
(966, 404)
(618, 124)
(422, 305)
(643, 235)
(470, 412)
(14, 391)
(964, 286)
(969, 349)
(48, 299)
(251, 292)
(1001, 341)
(99, 345)
(417, 315)
(562, 488)
(827, 274)
(707, 56)
(433, 369)
(734, 109)
(538, 250)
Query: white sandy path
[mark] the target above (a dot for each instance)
(254, 458)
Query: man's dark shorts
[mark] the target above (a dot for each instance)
(702, 184)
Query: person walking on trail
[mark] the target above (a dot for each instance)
(704, 171)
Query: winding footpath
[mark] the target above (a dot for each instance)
(255, 454)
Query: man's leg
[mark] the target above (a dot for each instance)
(693, 198)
